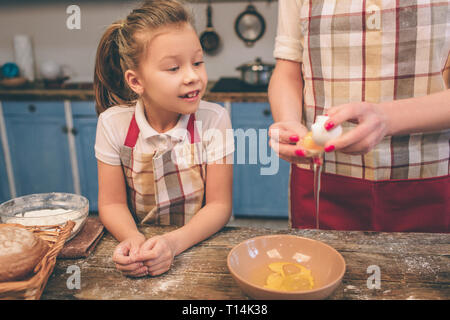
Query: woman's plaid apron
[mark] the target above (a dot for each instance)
(166, 187)
(375, 51)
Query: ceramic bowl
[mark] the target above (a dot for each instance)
(71, 207)
(248, 264)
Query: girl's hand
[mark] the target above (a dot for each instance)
(283, 139)
(157, 254)
(125, 257)
(371, 129)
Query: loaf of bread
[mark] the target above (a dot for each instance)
(20, 252)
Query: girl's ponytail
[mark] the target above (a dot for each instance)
(110, 87)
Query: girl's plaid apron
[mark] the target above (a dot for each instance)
(375, 51)
(166, 187)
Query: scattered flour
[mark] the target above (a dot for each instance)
(350, 287)
(164, 285)
(419, 265)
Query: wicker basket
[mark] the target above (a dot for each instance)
(32, 288)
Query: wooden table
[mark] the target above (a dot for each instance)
(412, 265)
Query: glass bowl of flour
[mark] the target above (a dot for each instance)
(46, 209)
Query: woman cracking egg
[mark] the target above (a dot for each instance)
(389, 168)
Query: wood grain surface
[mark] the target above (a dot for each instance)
(412, 265)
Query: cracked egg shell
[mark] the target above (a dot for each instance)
(320, 135)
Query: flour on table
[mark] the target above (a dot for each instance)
(419, 265)
(164, 285)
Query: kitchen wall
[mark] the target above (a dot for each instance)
(45, 22)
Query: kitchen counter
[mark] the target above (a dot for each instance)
(412, 265)
(33, 94)
(84, 92)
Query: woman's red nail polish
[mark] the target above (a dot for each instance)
(300, 153)
(329, 148)
(329, 125)
(293, 138)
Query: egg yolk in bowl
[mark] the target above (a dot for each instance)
(287, 276)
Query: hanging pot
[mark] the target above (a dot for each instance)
(256, 73)
(250, 26)
(209, 39)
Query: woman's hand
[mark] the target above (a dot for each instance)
(372, 127)
(283, 139)
(125, 256)
(157, 254)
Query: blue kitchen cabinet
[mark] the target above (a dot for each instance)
(4, 185)
(39, 148)
(85, 125)
(260, 185)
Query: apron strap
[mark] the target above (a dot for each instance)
(133, 133)
(192, 129)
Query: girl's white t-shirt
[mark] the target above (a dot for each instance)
(212, 122)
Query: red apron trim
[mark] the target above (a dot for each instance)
(341, 163)
(133, 133)
(193, 133)
(347, 203)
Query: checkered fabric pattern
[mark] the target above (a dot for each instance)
(164, 188)
(180, 180)
(377, 51)
(138, 173)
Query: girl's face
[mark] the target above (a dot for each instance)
(172, 76)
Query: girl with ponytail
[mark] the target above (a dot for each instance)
(154, 164)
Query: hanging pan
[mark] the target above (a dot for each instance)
(250, 25)
(209, 39)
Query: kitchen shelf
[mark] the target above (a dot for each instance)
(87, 94)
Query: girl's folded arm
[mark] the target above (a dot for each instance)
(214, 215)
(112, 202)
